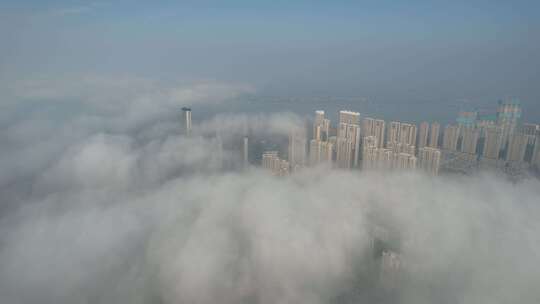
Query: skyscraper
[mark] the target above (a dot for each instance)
(470, 136)
(268, 158)
(272, 162)
(374, 127)
(318, 121)
(401, 137)
(492, 142)
(423, 135)
(390, 269)
(398, 147)
(450, 138)
(404, 161)
(385, 159)
(369, 152)
(349, 117)
(535, 159)
(434, 135)
(393, 133)
(320, 152)
(370, 141)
(508, 115)
(530, 131)
(348, 139)
(320, 149)
(321, 127)
(379, 131)
(186, 120)
(407, 134)
(429, 159)
(245, 154)
(367, 126)
(297, 147)
(516, 148)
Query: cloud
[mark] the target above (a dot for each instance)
(120, 91)
(98, 207)
(44, 116)
(250, 237)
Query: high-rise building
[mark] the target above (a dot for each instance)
(186, 120)
(429, 159)
(402, 133)
(535, 159)
(370, 141)
(423, 135)
(367, 126)
(320, 148)
(369, 152)
(317, 124)
(245, 154)
(379, 131)
(297, 147)
(321, 127)
(272, 162)
(530, 129)
(517, 147)
(434, 135)
(407, 134)
(469, 140)
(390, 269)
(508, 115)
(269, 158)
(412, 161)
(346, 152)
(404, 161)
(349, 117)
(348, 139)
(374, 127)
(385, 159)
(393, 133)
(485, 119)
(320, 152)
(450, 138)
(398, 147)
(492, 142)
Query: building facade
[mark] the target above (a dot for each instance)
(348, 140)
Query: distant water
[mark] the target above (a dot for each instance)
(415, 112)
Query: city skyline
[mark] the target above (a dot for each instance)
(504, 143)
(265, 152)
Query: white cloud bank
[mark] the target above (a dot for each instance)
(116, 210)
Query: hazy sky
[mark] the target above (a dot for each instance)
(104, 200)
(385, 50)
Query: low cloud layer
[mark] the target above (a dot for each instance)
(99, 208)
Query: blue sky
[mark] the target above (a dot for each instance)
(440, 50)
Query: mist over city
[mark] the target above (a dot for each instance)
(269, 152)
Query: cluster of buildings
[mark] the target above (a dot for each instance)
(497, 141)
(474, 141)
